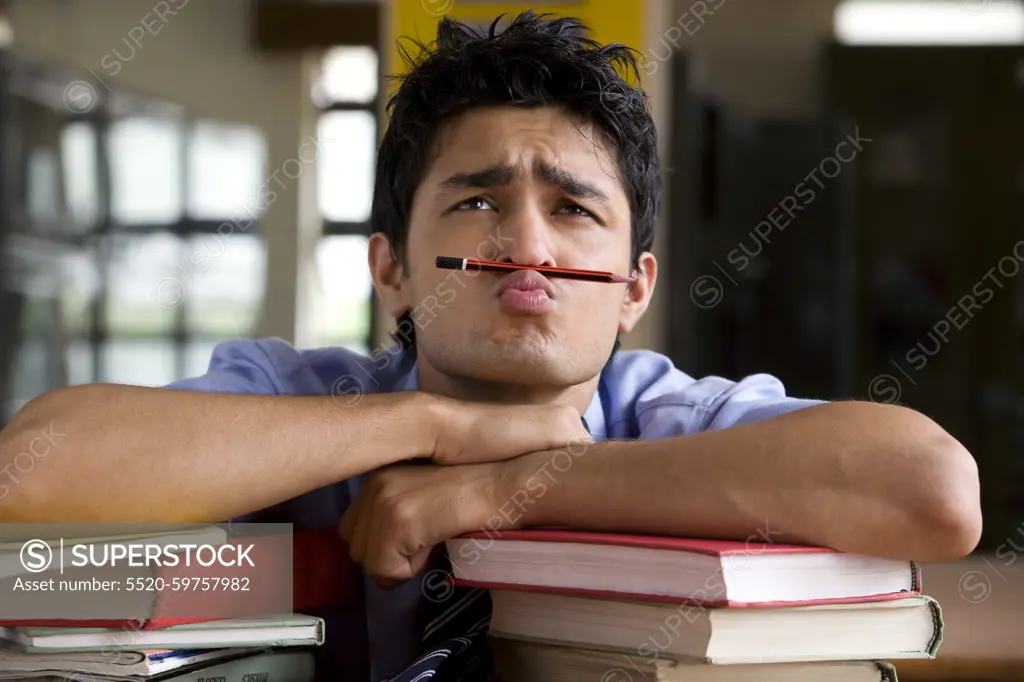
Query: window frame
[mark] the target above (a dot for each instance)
(28, 82)
(183, 229)
(337, 228)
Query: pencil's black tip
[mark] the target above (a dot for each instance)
(449, 263)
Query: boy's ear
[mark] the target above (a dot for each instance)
(638, 294)
(388, 276)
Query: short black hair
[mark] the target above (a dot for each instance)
(537, 60)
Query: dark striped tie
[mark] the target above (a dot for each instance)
(455, 628)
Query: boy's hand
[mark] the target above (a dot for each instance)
(469, 432)
(403, 511)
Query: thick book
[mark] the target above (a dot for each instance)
(16, 664)
(881, 630)
(712, 572)
(270, 631)
(12, 560)
(529, 662)
(318, 567)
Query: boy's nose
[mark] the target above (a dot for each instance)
(529, 238)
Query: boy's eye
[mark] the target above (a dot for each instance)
(576, 209)
(473, 204)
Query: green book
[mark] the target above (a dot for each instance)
(292, 629)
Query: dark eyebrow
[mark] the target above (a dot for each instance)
(481, 179)
(569, 183)
(504, 174)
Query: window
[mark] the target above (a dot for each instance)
(343, 313)
(225, 170)
(114, 268)
(345, 173)
(156, 287)
(79, 288)
(80, 175)
(176, 284)
(226, 288)
(6, 32)
(43, 185)
(930, 22)
(346, 90)
(142, 284)
(347, 74)
(145, 169)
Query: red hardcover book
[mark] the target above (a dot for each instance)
(663, 569)
(322, 575)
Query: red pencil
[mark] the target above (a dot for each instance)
(450, 263)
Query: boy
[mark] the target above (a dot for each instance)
(501, 145)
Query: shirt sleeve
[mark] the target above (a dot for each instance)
(241, 366)
(714, 403)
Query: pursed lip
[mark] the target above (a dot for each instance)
(526, 280)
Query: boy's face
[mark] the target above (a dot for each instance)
(528, 186)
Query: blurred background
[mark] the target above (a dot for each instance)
(844, 203)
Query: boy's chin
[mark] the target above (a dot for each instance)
(522, 357)
(525, 365)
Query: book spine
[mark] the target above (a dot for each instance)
(271, 667)
(173, 653)
(194, 658)
(933, 646)
(886, 671)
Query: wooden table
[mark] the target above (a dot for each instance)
(959, 670)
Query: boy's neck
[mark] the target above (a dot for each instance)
(465, 388)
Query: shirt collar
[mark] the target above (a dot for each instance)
(594, 416)
(410, 380)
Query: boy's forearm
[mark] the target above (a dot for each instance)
(861, 478)
(143, 454)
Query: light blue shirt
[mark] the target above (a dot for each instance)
(641, 396)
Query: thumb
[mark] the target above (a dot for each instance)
(386, 583)
(419, 560)
(416, 563)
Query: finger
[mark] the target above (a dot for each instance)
(501, 432)
(384, 552)
(542, 428)
(419, 560)
(407, 533)
(582, 436)
(387, 583)
(352, 521)
(575, 427)
(416, 564)
(349, 519)
(361, 529)
(346, 527)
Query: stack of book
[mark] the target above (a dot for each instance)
(611, 608)
(78, 625)
(227, 650)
